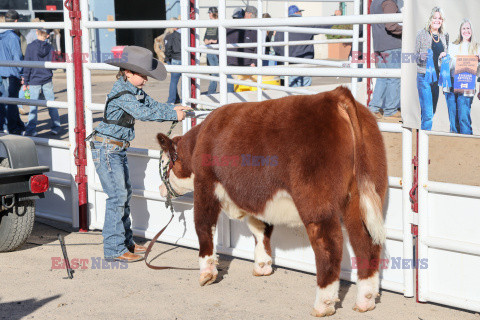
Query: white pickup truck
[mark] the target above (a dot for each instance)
(21, 182)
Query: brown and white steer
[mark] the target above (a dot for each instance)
(313, 160)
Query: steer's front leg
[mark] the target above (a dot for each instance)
(207, 209)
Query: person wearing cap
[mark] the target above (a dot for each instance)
(238, 13)
(251, 12)
(251, 35)
(299, 51)
(125, 103)
(235, 36)
(211, 37)
(38, 80)
(10, 50)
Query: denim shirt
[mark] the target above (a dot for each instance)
(145, 109)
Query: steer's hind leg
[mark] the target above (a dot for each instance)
(263, 252)
(207, 210)
(367, 257)
(325, 234)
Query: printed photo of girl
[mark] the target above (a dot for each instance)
(431, 43)
(459, 104)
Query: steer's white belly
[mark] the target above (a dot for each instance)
(279, 210)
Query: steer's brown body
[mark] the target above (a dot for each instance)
(319, 161)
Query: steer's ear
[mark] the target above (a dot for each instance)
(166, 143)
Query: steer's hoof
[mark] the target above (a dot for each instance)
(262, 269)
(366, 303)
(208, 274)
(207, 278)
(328, 311)
(325, 309)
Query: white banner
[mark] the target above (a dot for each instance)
(440, 51)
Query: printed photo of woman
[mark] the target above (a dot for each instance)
(459, 104)
(431, 43)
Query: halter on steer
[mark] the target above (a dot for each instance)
(164, 175)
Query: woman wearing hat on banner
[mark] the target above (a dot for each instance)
(459, 103)
(430, 44)
(126, 102)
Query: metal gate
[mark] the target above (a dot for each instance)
(452, 250)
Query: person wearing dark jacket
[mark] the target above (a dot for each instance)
(211, 37)
(40, 80)
(10, 50)
(237, 36)
(173, 56)
(250, 35)
(301, 51)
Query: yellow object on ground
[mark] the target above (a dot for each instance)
(274, 80)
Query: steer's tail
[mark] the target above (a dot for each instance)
(371, 205)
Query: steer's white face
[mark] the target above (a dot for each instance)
(179, 185)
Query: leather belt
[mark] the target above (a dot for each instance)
(121, 144)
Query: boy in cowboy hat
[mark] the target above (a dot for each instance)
(125, 103)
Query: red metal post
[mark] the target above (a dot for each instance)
(369, 56)
(80, 151)
(193, 87)
(414, 201)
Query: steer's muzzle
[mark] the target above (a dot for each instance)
(163, 190)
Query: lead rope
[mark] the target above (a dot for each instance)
(168, 202)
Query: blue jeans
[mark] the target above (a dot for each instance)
(459, 112)
(386, 94)
(212, 60)
(9, 113)
(428, 96)
(299, 81)
(47, 90)
(174, 78)
(111, 164)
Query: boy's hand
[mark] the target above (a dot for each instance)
(181, 112)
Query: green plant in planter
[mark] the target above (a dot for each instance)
(340, 27)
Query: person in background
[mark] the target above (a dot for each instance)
(10, 50)
(173, 54)
(40, 80)
(211, 37)
(301, 51)
(30, 36)
(431, 38)
(387, 44)
(126, 103)
(270, 37)
(250, 36)
(235, 36)
(32, 33)
(159, 44)
(460, 104)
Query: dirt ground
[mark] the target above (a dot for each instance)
(32, 287)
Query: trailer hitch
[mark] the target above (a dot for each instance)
(8, 201)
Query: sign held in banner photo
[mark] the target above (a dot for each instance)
(465, 74)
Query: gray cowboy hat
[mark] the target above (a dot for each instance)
(140, 60)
